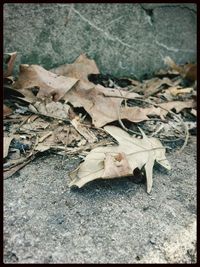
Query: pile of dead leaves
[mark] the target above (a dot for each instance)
(75, 110)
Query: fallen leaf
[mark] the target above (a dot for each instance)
(42, 147)
(136, 114)
(174, 91)
(10, 64)
(35, 125)
(53, 109)
(6, 111)
(177, 105)
(101, 103)
(6, 143)
(35, 82)
(193, 112)
(131, 153)
(154, 85)
(116, 166)
(187, 71)
(80, 69)
(10, 172)
(81, 128)
(65, 135)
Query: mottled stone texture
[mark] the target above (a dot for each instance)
(124, 39)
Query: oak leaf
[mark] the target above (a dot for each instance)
(80, 69)
(121, 160)
(45, 83)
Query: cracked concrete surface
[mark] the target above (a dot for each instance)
(124, 39)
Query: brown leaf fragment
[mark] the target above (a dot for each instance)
(35, 82)
(101, 103)
(6, 143)
(187, 71)
(85, 132)
(52, 109)
(6, 111)
(154, 85)
(136, 114)
(177, 105)
(116, 166)
(13, 170)
(65, 135)
(35, 125)
(10, 64)
(80, 69)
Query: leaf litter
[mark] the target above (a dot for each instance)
(74, 110)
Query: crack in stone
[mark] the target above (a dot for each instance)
(108, 36)
(173, 49)
(114, 20)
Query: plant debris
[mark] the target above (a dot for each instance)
(75, 110)
(122, 160)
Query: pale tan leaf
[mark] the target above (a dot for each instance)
(174, 91)
(121, 160)
(193, 112)
(41, 147)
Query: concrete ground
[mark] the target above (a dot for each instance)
(113, 221)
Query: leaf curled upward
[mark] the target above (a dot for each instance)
(121, 160)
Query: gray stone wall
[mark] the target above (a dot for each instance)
(124, 39)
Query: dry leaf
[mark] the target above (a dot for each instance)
(80, 69)
(187, 71)
(6, 143)
(6, 111)
(152, 86)
(174, 91)
(134, 153)
(81, 128)
(35, 125)
(10, 172)
(116, 166)
(65, 135)
(177, 105)
(101, 103)
(45, 83)
(10, 64)
(193, 112)
(52, 109)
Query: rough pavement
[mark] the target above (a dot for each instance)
(113, 221)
